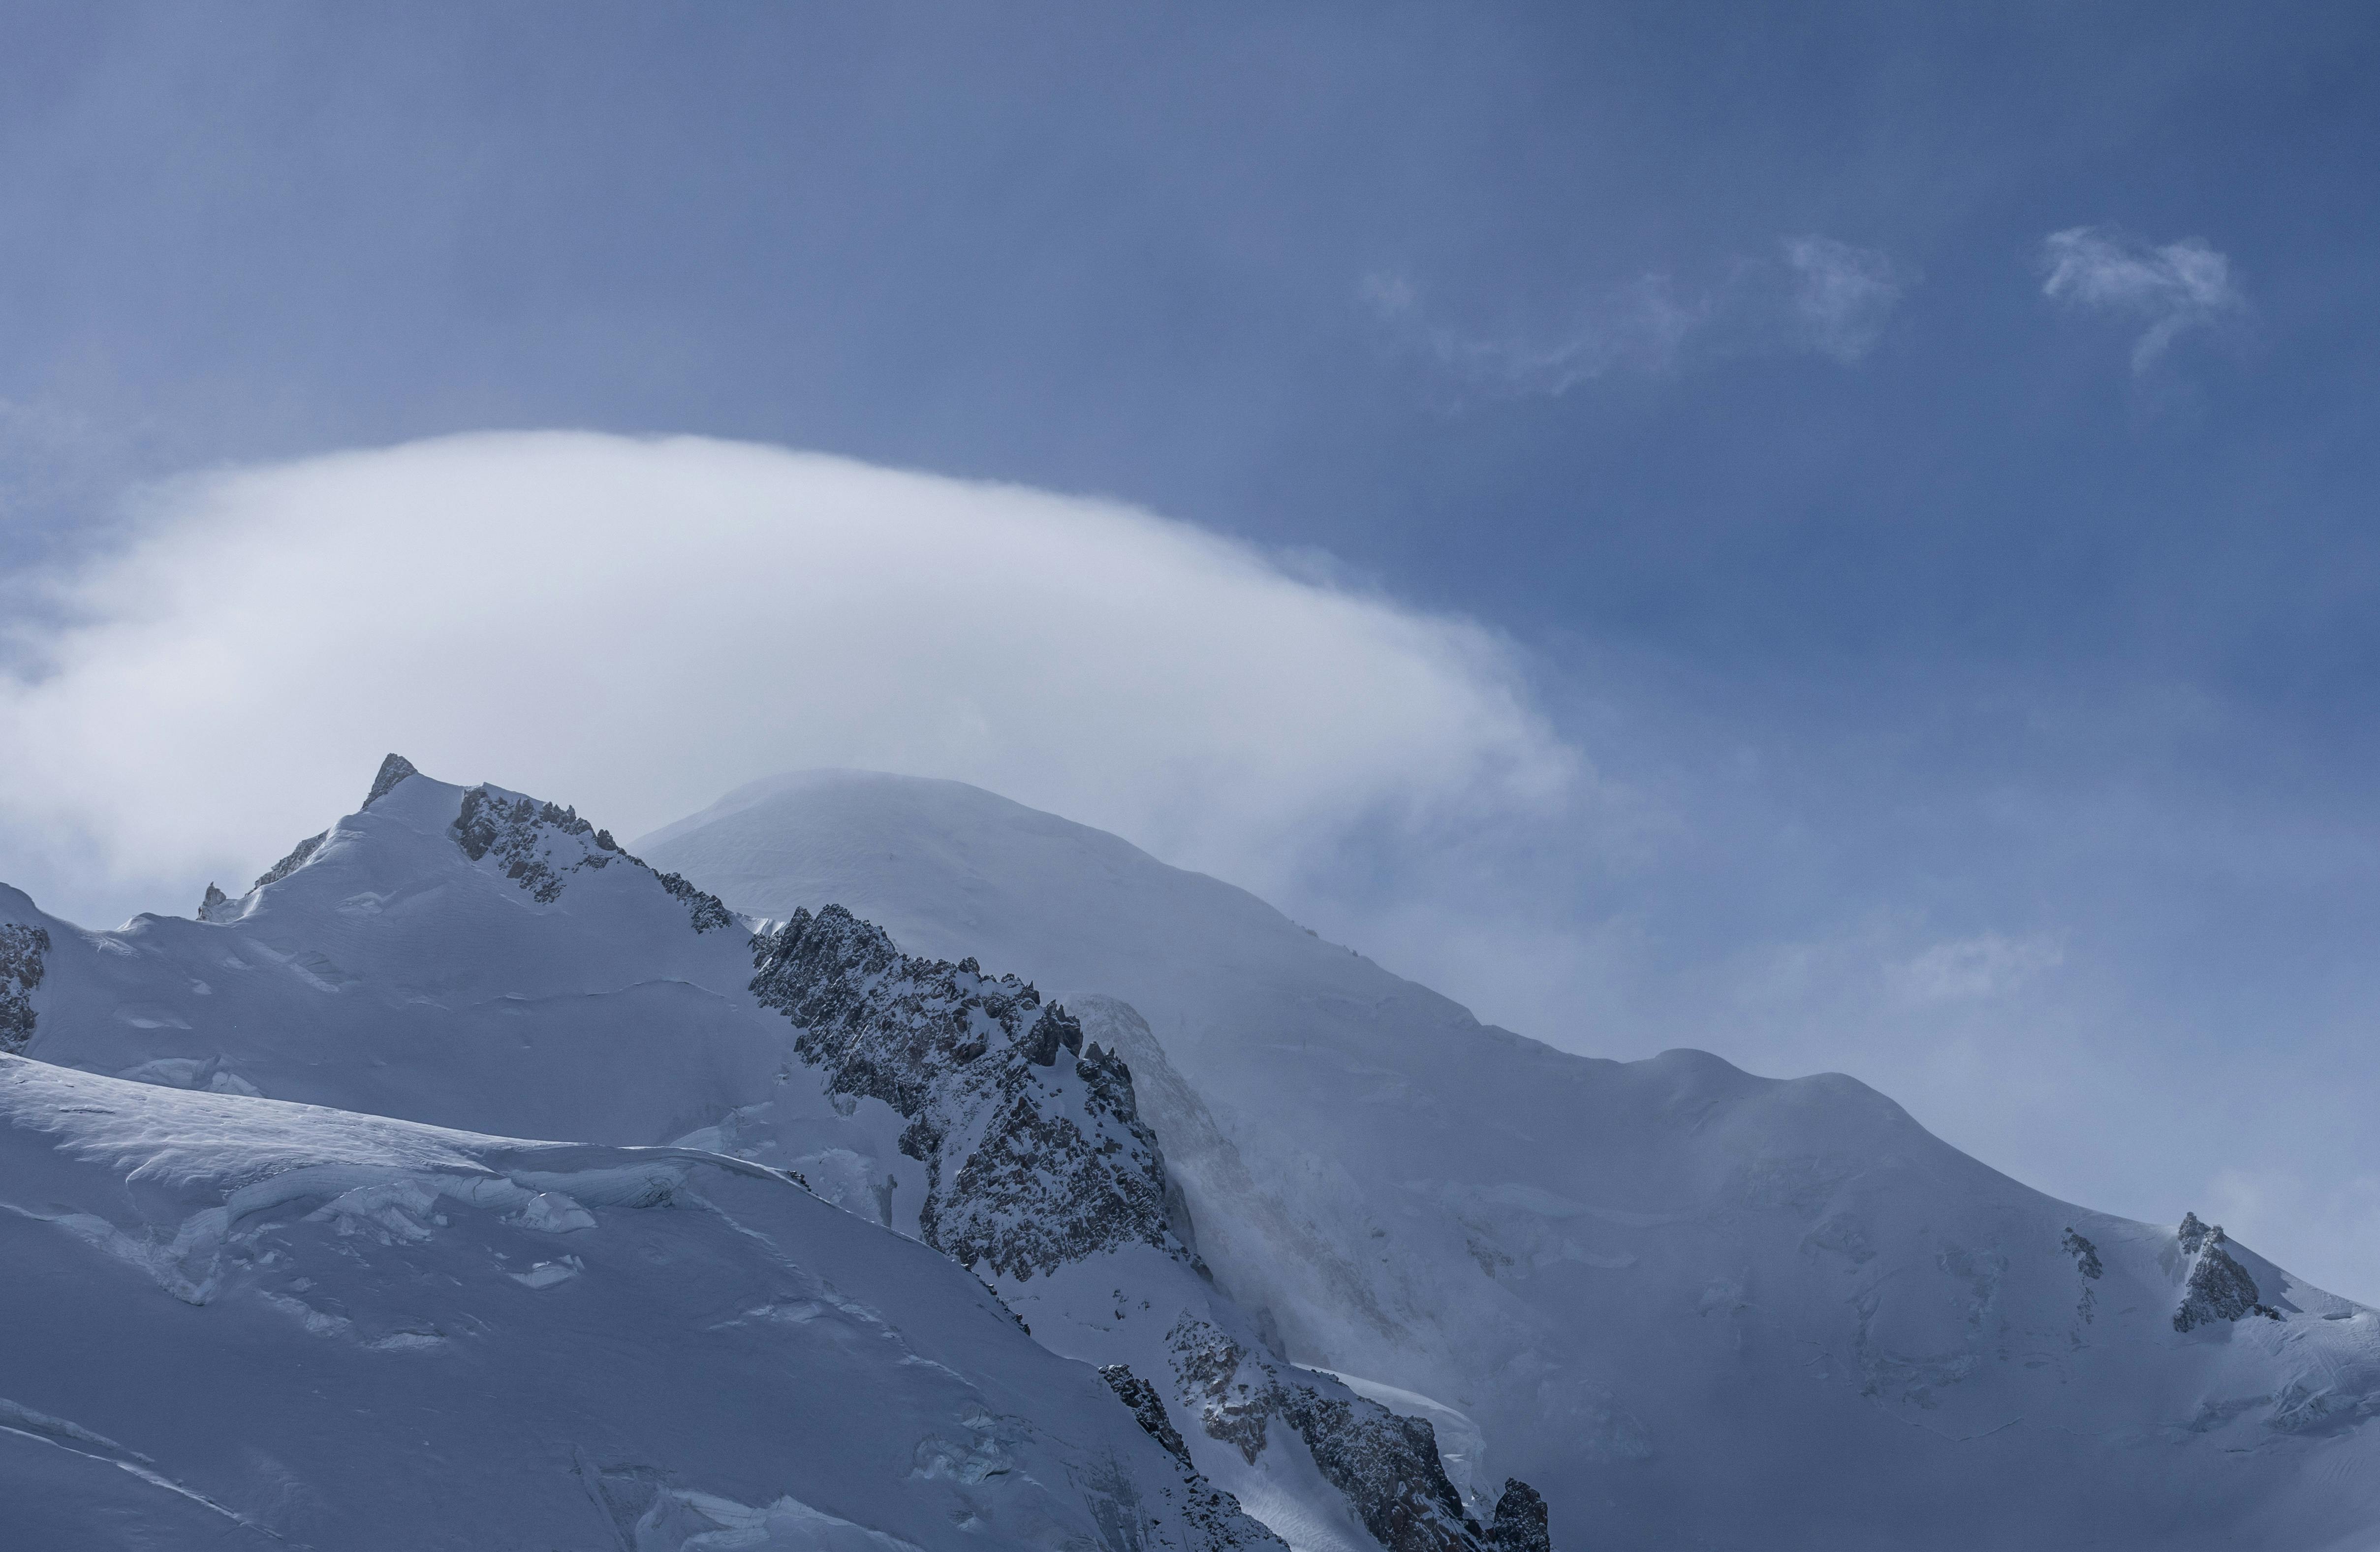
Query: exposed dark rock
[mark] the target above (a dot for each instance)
(2219, 1287)
(1233, 1406)
(2086, 1261)
(1387, 1466)
(1147, 1406)
(1520, 1523)
(1031, 1162)
(1054, 1028)
(298, 859)
(540, 844)
(707, 911)
(22, 952)
(519, 832)
(393, 769)
(213, 900)
(1213, 1514)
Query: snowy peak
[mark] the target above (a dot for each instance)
(484, 960)
(1691, 1305)
(538, 845)
(393, 769)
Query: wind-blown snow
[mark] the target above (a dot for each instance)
(1689, 1305)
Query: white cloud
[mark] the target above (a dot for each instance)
(1989, 964)
(1639, 328)
(2173, 289)
(634, 626)
(1824, 295)
(1842, 295)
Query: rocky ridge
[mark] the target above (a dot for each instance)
(1386, 1465)
(1216, 1511)
(2218, 1288)
(21, 952)
(1520, 1523)
(1037, 1158)
(1035, 1155)
(540, 845)
(536, 845)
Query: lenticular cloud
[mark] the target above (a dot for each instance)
(635, 624)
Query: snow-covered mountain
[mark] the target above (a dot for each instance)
(236, 1322)
(1692, 1306)
(1345, 1259)
(481, 960)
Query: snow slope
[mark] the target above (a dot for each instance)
(1695, 1307)
(476, 959)
(234, 1322)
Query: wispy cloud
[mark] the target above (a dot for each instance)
(1988, 965)
(2174, 290)
(1639, 328)
(1819, 294)
(1843, 296)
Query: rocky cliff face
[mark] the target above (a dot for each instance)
(1148, 1408)
(393, 769)
(1386, 1465)
(538, 845)
(2218, 1288)
(21, 952)
(1037, 1158)
(1034, 1154)
(1519, 1524)
(300, 856)
(1218, 1513)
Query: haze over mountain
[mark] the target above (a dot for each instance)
(1362, 1261)
(1909, 464)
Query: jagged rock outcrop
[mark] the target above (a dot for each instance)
(522, 835)
(2086, 1262)
(540, 845)
(1386, 1465)
(1147, 1407)
(393, 769)
(2191, 1234)
(1519, 1524)
(1031, 1162)
(1209, 1507)
(2218, 1288)
(22, 950)
(298, 856)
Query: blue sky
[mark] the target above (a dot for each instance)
(1922, 457)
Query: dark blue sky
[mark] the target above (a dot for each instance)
(1972, 623)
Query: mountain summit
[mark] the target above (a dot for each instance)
(490, 965)
(875, 1163)
(1691, 1307)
